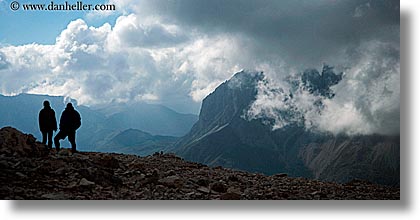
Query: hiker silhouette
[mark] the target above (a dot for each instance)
(47, 123)
(70, 121)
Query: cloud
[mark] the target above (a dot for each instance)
(131, 31)
(135, 60)
(177, 52)
(303, 33)
(361, 10)
(3, 63)
(372, 87)
(365, 101)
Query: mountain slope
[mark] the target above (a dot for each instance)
(29, 171)
(374, 158)
(225, 104)
(222, 136)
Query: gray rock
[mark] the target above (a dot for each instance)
(234, 190)
(85, 182)
(61, 171)
(218, 187)
(172, 181)
(4, 164)
(54, 196)
(281, 175)
(21, 175)
(203, 190)
(230, 196)
(64, 152)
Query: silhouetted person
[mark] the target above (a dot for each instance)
(47, 123)
(70, 121)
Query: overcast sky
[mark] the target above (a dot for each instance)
(177, 52)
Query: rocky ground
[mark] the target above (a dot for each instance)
(28, 171)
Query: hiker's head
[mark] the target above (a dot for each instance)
(69, 105)
(46, 103)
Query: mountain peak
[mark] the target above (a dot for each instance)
(320, 83)
(245, 79)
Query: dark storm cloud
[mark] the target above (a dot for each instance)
(305, 33)
(361, 37)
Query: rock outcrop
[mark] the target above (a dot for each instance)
(29, 171)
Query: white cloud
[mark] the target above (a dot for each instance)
(366, 101)
(372, 88)
(131, 32)
(3, 63)
(137, 59)
(361, 10)
(212, 60)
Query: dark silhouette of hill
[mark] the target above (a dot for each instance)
(224, 137)
(29, 171)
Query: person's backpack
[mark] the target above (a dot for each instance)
(77, 120)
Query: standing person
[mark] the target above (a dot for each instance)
(70, 121)
(47, 123)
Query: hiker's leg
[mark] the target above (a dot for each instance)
(44, 137)
(61, 135)
(72, 139)
(50, 134)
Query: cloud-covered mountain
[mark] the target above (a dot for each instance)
(226, 135)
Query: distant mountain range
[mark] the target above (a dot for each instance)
(133, 141)
(223, 136)
(100, 126)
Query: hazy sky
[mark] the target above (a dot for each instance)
(176, 52)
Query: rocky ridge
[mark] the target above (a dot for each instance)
(29, 171)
